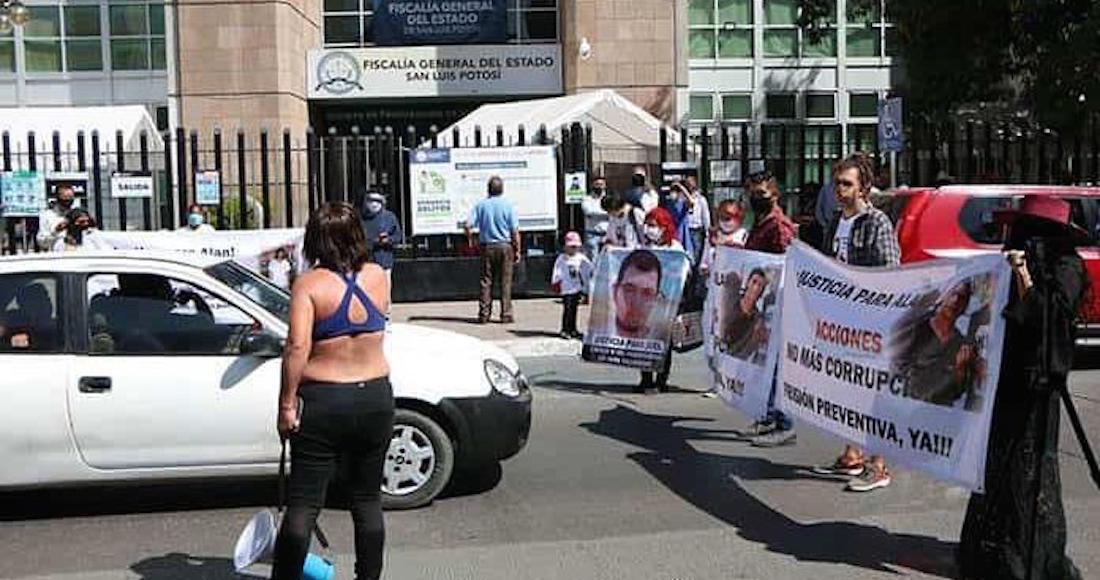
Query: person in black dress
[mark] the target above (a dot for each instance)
(1019, 523)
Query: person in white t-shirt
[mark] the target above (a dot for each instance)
(279, 269)
(572, 272)
(196, 220)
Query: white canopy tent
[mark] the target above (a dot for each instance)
(68, 121)
(622, 132)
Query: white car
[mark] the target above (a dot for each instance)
(127, 366)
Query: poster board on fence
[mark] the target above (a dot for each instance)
(741, 323)
(131, 185)
(902, 362)
(22, 193)
(635, 295)
(447, 183)
(576, 187)
(208, 187)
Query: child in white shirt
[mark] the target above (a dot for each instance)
(572, 271)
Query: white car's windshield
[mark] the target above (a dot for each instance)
(254, 287)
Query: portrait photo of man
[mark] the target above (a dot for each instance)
(743, 329)
(637, 290)
(941, 363)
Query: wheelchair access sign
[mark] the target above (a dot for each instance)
(891, 136)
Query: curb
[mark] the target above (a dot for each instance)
(540, 347)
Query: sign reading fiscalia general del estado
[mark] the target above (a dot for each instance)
(435, 71)
(431, 22)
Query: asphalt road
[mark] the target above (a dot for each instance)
(612, 485)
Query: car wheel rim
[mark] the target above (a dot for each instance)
(410, 461)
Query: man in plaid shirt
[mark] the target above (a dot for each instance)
(860, 235)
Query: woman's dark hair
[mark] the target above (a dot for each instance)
(612, 201)
(334, 239)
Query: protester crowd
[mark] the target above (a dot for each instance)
(351, 252)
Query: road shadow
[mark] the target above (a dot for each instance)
(473, 480)
(463, 319)
(179, 566)
(137, 499)
(1086, 358)
(534, 333)
(603, 388)
(709, 482)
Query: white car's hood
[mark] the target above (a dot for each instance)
(430, 364)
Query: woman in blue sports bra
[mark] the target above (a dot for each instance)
(336, 405)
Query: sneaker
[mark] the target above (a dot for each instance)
(842, 466)
(872, 478)
(776, 438)
(759, 428)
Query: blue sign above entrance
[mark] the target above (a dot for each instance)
(430, 22)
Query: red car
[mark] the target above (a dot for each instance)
(958, 219)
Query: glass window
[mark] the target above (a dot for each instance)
(781, 11)
(45, 22)
(823, 47)
(863, 41)
(342, 5)
(43, 55)
(130, 54)
(539, 25)
(735, 43)
(254, 287)
(779, 43)
(29, 317)
(872, 16)
(7, 55)
(128, 20)
(156, 19)
(735, 12)
(701, 12)
(157, 54)
(780, 107)
(976, 218)
(736, 107)
(81, 21)
(83, 55)
(701, 107)
(701, 44)
(863, 105)
(820, 106)
(891, 48)
(151, 314)
(342, 29)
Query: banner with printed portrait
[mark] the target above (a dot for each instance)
(902, 362)
(741, 326)
(635, 296)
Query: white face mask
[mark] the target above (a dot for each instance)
(653, 233)
(728, 226)
(374, 206)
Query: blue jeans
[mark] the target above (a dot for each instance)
(592, 241)
(782, 421)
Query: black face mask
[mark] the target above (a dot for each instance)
(761, 206)
(599, 190)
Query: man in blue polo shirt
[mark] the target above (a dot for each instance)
(498, 232)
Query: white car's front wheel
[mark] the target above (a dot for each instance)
(419, 461)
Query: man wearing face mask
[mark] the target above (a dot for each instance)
(595, 218)
(382, 231)
(52, 224)
(772, 232)
(196, 220)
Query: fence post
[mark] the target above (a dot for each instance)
(120, 166)
(1078, 157)
(764, 144)
(1041, 137)
(81, 163)
(724, 141)
(194, 168)
(704, 159)
(353, 165)
(265, 177)
(287, 176)
(312, 178)
(683, 143)
(143, 159)
(166, 209)
(6, 139)
(663, 146)
(821, 155)
(949, 130)
(500, 136)
(97, 179)
(32, 151)
(181, 173)
(477, 135)
(455, 136)
(55, 140)
(589, 161)
(1006, 145)
(566, 149)
(744, 151)
(1025, 156)
(242, 183)
(990, 160)
(393, 148)
(970, 153)
(1060, 156)
(1096, 149)
(521, 135)
(433, 135)
(802, 156)
(543, 135)
(218, 168)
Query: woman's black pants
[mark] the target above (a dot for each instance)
(347, 425)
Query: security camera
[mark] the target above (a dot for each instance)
(585, 49)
